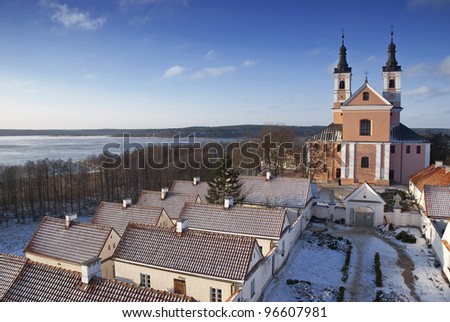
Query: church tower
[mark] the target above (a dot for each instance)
(342, 79)
(392, 76)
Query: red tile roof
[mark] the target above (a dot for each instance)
(173, 203)
(432, 175)
(251, 221)
(10, 267)
(196, 252)
(113, 214)
(437, 201)
(79, 243)
(44, 283)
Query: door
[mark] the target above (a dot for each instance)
(179, 286)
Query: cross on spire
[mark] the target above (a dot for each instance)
(342, 30)
(366, 73)
(392, 33)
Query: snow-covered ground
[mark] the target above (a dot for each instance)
(408, 275)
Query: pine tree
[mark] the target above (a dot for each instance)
(225, 184)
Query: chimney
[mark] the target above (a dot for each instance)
(89, 269)
(196, 181)
(447, 168)
(164, 192)
(182, 225)
(228, 202)
(69, 219)
(268, 175)
(438, 164)
(126, 203)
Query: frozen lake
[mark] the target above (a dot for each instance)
(16, 150)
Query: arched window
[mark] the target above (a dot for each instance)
(341, 84)
(364, 127)
(364, 162)
(365, 96)
(392, 83)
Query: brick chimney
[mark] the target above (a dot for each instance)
(69, 219)
(164, 192)
(228, 202)
(196, 181)
(438, 164)
(89, 269)
(126, 203)
(182, 225)
(268, 175)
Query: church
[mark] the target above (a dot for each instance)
(366, 141)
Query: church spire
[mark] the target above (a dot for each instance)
(342, 66)
(391, 64)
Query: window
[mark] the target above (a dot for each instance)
(341, 84)
(418, 149)
(261, 249)
(114, 245)
(408, 149)
(365, 96)
(392, 83)
(216, 295)
(338, 149)
(392, 149)
(364, 127)
(325, 168)
(145, 280)
(179, 286)
(364, 162)
(109, 247)
(252, 288)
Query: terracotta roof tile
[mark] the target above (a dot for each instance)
(437, 201)
(10, 267)
(257, 222)
(80, 242)
(44, 283)
(433, 176)
(173, 203)
(113, 214)
(197, 252)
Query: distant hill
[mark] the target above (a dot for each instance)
(232, 131)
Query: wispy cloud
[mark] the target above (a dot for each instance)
(249, 62)
(211, 54)
(428, 3)
(440, 69)
(73, 18)
(90, 76)
(423, 90)
(174, 71)
(371, 59)
(212, 72)
(317, 51)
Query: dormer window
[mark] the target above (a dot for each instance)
(365, 96)
(341, 84)
(392, 83)
(365, 127)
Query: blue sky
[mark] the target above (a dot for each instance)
(175, 63)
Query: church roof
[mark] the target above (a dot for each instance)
(375, 98)
(332, 132)
(402, 133)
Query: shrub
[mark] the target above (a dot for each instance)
(406, 237)
(341, 294)
(378, 273)
(291, 281)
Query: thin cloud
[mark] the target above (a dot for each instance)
(317, 51)
(371, 59)
(211, 54)
(423, 90)
(174, 71)
(125, 3)
(248, 63)
(212, 72)
(439, 69)
(73, 18)
(90, 76)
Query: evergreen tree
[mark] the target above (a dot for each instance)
(225, 184)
